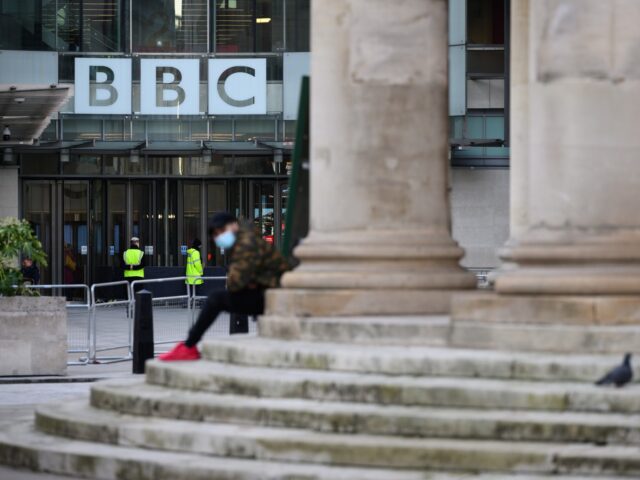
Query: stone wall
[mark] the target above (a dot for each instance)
(480, 213)
(33, 336)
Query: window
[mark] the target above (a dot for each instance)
(81, 164)
(88, 26)
(298, 26)
(27, 25)
(169, 25)
(65, 25)
(485, 33)
(248, 26)
(260, 129)
(81, 129)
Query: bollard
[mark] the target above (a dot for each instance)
(238, 323)
(142, 331)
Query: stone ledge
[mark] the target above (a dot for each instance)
(324, 302)
(546, 309)
(33, 336)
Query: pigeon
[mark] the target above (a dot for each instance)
(620, 375)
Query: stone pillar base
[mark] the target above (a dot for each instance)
(352, 302)
(554, 323)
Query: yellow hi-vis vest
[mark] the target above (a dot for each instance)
(132, 258)
(194, 267)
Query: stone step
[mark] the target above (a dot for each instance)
(392, 390)
(432, 330)
(23, 447)
(409, 360)
(134, 397)
(78, 421)
(587, 339)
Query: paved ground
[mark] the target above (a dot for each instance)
(20, 395)
(171, 322)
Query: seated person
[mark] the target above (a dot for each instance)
(255, 266)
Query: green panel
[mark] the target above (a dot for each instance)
(475, 127)
(457, 80)
(457, 22)
(495, 127)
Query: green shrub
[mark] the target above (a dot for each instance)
(17, 238)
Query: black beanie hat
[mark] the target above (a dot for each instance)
(221, 220)
(196, 243)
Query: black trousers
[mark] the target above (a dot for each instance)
(247, 302)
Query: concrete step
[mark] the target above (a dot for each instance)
(23, 447)
(137, 398)
(587, 339)
(78, 421)
(429, 330)
(392, 390)
(409, 360)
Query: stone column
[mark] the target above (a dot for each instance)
(519, 99)
(380, 238)
(576, 258)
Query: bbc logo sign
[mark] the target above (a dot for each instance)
(171, 86)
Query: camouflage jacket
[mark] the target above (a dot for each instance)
(255, 263)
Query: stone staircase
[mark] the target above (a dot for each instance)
(328, 399)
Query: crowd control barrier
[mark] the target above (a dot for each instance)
(78, 317)
(171, 313)
(110, 318)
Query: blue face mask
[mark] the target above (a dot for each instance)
(226, 240)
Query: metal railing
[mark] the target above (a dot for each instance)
(171, 313)
(109, 310)
(97, 321)
(78, 323)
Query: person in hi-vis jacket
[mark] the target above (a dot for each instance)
(194, 264)
(133, 258)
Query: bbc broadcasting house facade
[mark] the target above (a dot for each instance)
(145, 117)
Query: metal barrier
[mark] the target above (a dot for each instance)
(78, 319)
(171, 313)
(110, 317)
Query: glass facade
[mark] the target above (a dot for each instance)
(85, 206)
(477, 131)
(156, 26)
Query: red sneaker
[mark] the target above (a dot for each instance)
(180, 353)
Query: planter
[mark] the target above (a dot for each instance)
(33, 336)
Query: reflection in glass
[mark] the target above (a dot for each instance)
(88, 25)
(82, 129)
(252, 129)
(485, 22)
(169, 25)
(263, 209)
(141, 214)
(298, 26)
(117, 223)
(75, 235)
(248, 26)
(27, 24)
(37, 211)
(81, 164)
(191, 214)
(216, 202)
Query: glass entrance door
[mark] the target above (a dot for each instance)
(37, 199)
(75, 233)
(142, 217)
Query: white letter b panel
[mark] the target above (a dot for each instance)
(169, 86)
(238, 86)
(103, 85)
